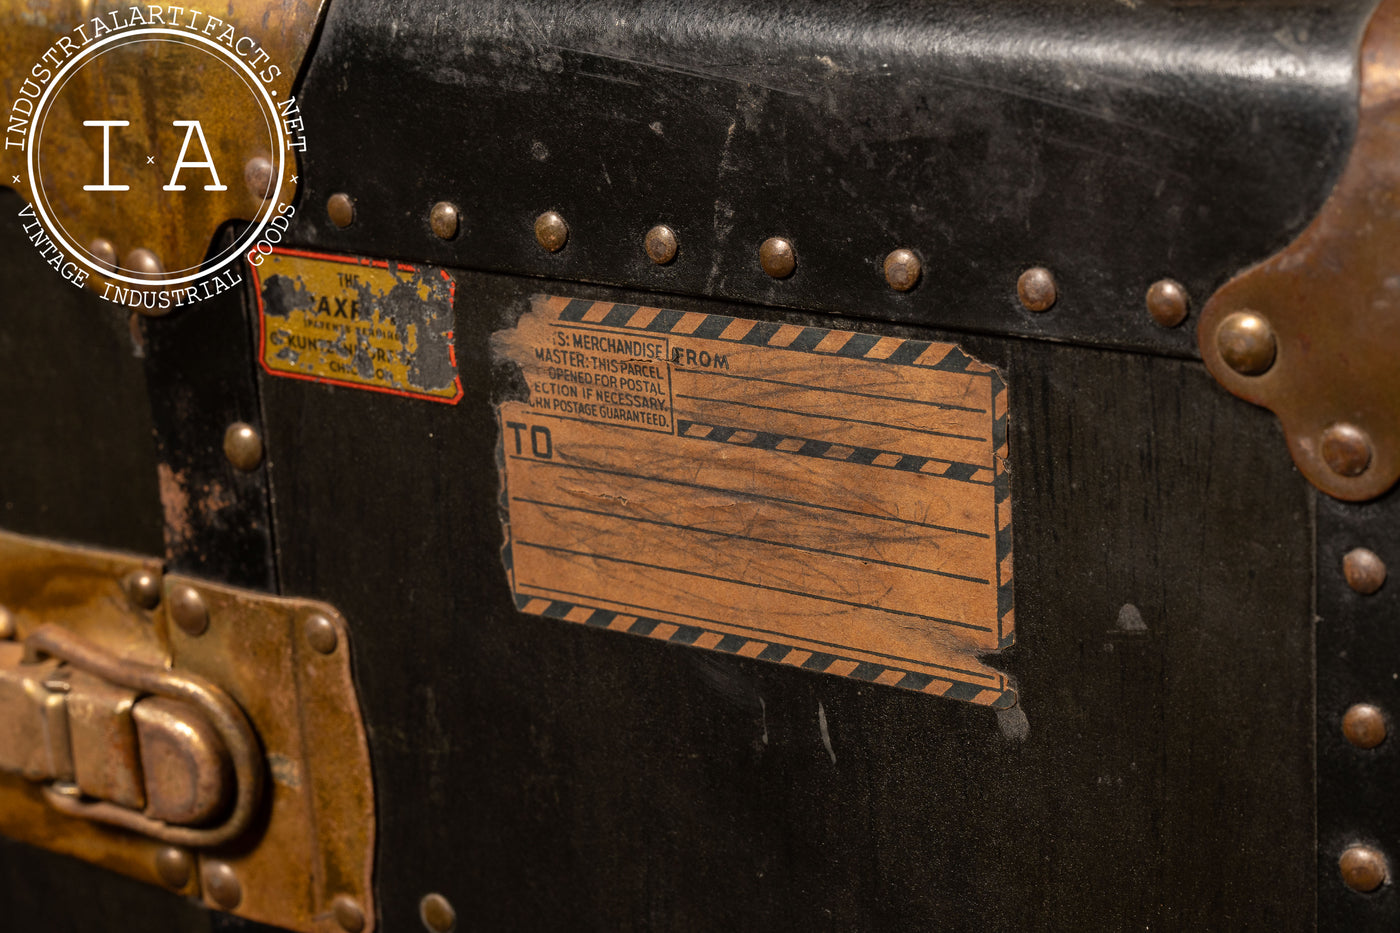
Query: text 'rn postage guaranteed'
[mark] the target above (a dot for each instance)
(813, 497)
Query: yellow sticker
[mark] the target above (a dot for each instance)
(366, 323)
(820, 498)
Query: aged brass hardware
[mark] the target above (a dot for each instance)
(436, 913)
(211, 743)
(661, 244)
(1331, 305)
(1346, 449)
(125, 743)
(551, 231)
(257, 175)
(340, 208)
(1246, 343)
(1364, 725)
(778, 257)
(1364, 570)
(902, 269)
(1167, 302)
(1363, 868)
(1036, 289)
(115, 226)
(444, 219)
(243, 446)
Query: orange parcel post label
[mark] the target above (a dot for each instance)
(832, 500)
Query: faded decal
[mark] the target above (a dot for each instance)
(818, 498)
(367, 323)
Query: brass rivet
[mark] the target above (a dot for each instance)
(104, 253)
(188, 610)
(348, 913)
(257, 175)
(1036, 289)
(1167, 302)
(1364, 570)
(175, 866)
(1346, 449)
(340, 207)
(902, 269)
(777, 257)
(436, 913)
(143, 262)
(661, 244)
(243, 446)
(320, 633)
(8, 629)
(1364, 725)
(1363, 868)
(1246, 343)
(222, 885)
(143, 588)
(443, 219)
(551, 231)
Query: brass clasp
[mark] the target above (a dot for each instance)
(125, 743)
(197, 736)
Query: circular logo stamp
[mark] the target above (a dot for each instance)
(144, 133)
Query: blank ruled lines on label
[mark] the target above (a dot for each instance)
(812, 497)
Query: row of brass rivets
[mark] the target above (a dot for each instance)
(1167, 300)
(1364, 868)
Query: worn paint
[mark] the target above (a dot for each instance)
(364, 323)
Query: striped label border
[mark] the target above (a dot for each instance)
(900, 351)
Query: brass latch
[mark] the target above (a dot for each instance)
(164, 754)
(197, 736)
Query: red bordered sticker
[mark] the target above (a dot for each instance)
(365, 323)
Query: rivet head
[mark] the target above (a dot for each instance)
(340, 208)
(1246, 343)
(104, 253)
(551, 231)
(1036, 289)
(348, 913)
(143, 262)
(777, 257)
(1364, 725)
(1346, 449)
(222, 885)
(257, 175)
(320, 633)
(8, 629)
(1363, 868)
(142, 587)
(1167, 302)
(175, 866)
(188, 610)
(1364, 570)
(243, 446)
(902, 269)
(444, 220)
(661, 244)
(436, 913)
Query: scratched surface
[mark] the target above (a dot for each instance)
(801, 495)
(547, 775)
(362, 323)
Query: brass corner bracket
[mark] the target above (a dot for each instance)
(1313, 333)
(192, 735)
